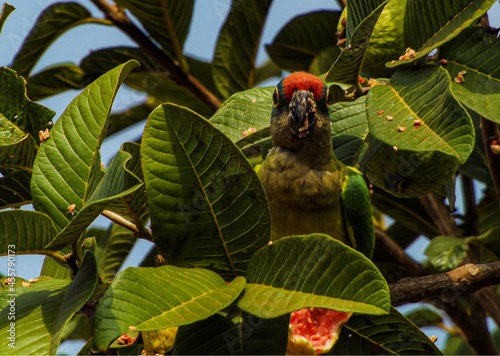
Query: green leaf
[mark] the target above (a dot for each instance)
(312, 271)
(7, 9)
(357, 12)
(79, 291)
(137, 299)
(384, 334)
(349, 130)
(233, 332)
(386, 41)
(237, 45)
(248, 109)
(15, 190)
(425, 316)
(302, 39)
(67, 167)
(43, 310)
(266, 71)
(208, 207)
(52, 22)
(20, 116)
(423, 95)
(121, 120)
(347, 67)
(112, 250)
(118, 182)
(36, 313)
(446, 253)
(167, 21)
(133, 206)
(55, 80)
(26, 232)
(477, 53)
(453, 17)
(54, 269)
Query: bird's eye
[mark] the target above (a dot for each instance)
(275, 97)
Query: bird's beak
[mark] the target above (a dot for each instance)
(302, 113)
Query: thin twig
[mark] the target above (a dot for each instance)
(121, 20)
(390, 247)
(120, 220)
(491, 136)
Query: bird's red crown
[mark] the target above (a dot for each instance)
(303, 81)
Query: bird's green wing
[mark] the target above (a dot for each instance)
(357, 211)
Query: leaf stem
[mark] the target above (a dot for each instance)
(120, 220)
(121, 20)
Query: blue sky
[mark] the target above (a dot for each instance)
(77, 43)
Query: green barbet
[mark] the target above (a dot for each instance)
(310, 191)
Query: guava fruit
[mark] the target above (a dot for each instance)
(159, 341)
(313, 331)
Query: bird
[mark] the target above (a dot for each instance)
(308, 189)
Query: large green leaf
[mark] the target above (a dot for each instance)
(118, 183)
(478, 53)
(302, 39)
(417, 112)
(15, 190)
(233, 332)
(26, 232)
(384, 334)
(167, 21)
(145, 298)
(347, 67)
(55, 80)
(242, 111)
(67, 166)
(52, 22)
(488, 241)
(313, 271)
(113, 247)
(237, 46)
(43, 310)
(449, 19)
(446, 253)
(36, 313)
(207, 205)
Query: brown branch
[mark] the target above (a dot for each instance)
(121, 20)
(391, 248)
(465, 279)
(491, 137)
(440, 215)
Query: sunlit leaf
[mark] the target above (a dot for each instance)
(347, 67)
(449, 19)
(237, 45)
(118, 182)
(67, 166)
(418, 112)
(156, 298)
(7, 9)
(312, 271)
(357, 12)
(55, 80)
(207, 205)
(25, 232)
(242, 111)
(478, 54)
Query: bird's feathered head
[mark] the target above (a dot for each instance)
(300, 107)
